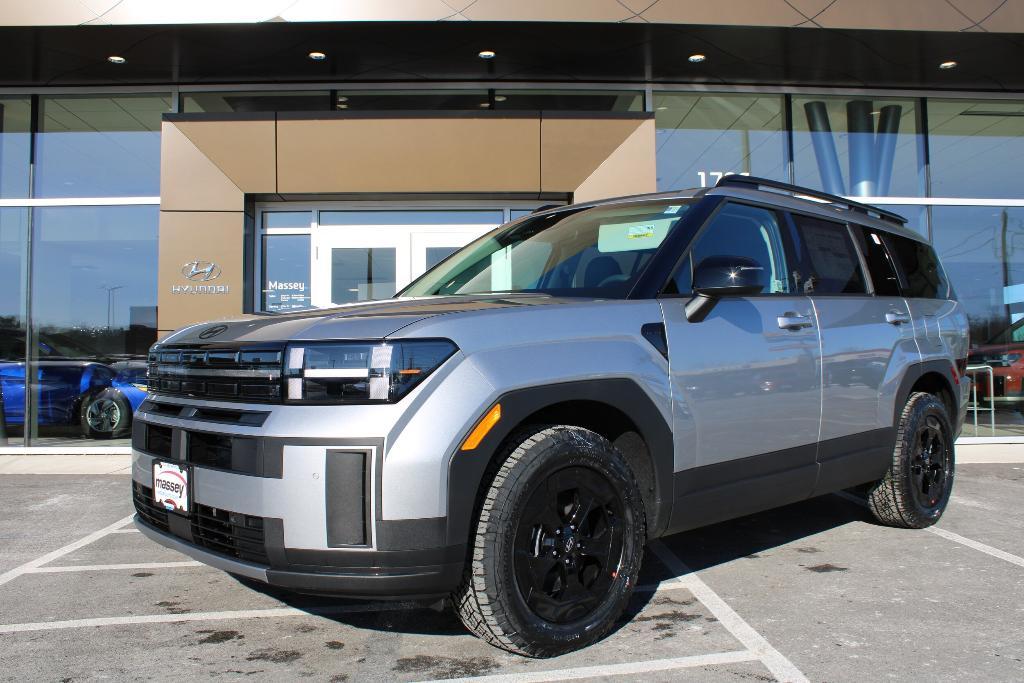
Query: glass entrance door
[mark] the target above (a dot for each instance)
(364, 255)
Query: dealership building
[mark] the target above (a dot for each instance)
(163, 163)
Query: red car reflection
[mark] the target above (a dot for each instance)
(1007, 363)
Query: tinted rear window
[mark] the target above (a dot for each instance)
(880, 265)
(830, 263)
(925, 279)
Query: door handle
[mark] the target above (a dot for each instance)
(793, 321)
(897, 318)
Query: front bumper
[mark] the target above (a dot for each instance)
(292, 511)
(395, 574)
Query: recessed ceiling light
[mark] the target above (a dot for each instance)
(342, 98)
(486, 54)
(342, 106)
(661, 108)
(500, 98)
(116, 59)
(948, 65)
(697, 58)
(484, 105)
(317, 56)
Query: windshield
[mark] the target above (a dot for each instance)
(599, 251)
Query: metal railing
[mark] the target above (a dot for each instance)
(974, 405)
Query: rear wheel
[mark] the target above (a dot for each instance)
(914, 492)
(557, 546)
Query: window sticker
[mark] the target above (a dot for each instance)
(633, 236)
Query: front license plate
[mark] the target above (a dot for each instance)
(170, 486)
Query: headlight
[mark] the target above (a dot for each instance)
(360, 372)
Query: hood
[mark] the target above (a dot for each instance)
(367, 320)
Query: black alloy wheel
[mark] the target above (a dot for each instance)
(568, 546)
(931, 463)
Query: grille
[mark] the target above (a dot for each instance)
(147, 509)
(220, 531)
(229, 533)
(233, 374)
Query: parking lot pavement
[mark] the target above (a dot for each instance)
(814, 590)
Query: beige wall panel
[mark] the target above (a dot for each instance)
(1008, 18)
(547, 10)
(921, 15)
(629, 170)
(408, 155)
(877, 14)
(243, 150)
(734, 12)
(187, 236)
(572, 148)
(189, 181)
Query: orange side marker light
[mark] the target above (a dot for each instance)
(482, 428)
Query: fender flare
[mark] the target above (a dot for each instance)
(466, 469)
(942, 368)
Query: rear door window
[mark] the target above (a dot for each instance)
(924, 276)
(829, 261)
(883, 272)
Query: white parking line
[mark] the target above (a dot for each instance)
(206, 616)
(12, 574)
(781, 668)
(603, 670)
(107, 567)
(950, 536)
(666, 585)
(980, 547)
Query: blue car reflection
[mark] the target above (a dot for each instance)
(74, 386)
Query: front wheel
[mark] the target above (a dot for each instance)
(106, 415)
(914, 492)
(557, 546)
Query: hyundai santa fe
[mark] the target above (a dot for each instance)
(513, 427)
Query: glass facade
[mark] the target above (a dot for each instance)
(15, 145)
(78, 285)
(77, 263)
(974, 147)
(858, 146)
(701, 137)
(13, 289)
(94, 146)
(93, 308)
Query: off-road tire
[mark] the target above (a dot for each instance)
(892, 499)
(489, 601)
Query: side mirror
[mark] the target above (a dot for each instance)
(718, 276)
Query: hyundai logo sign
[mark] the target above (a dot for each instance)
(200, 271)
(212, 331)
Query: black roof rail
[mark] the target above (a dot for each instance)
(545, 207)
(736, 179)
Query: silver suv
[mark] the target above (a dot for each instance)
(514, 426)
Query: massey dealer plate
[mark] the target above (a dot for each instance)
(170, 486)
